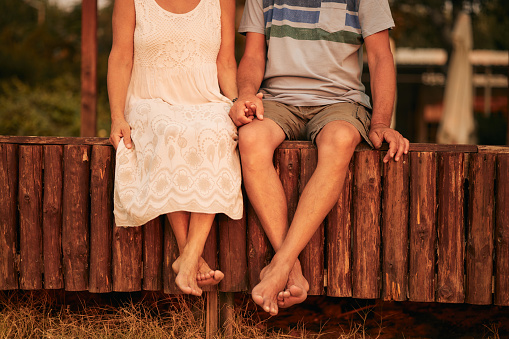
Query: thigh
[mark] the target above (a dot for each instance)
(356, 115)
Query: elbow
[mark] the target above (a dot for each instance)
(120, 60)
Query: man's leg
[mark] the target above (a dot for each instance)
(257, 142)
(336, 143)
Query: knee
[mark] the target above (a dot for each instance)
(254, 149)
(338, 143)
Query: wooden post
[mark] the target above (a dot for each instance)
(212, 314)
(451, 228)
(502, 231)
(88, 67)
(75, 227)
(312, 256)
(8, 216)
(30, 217)
(366, 225)
(127, 256)
(52, 216)
(395, 229)
(101, 219)
(233, 254)
(421, 280)
(153, 254)
(339, 242)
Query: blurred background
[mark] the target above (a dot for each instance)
(451, 57)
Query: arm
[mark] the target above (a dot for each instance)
(120, 63)
(226, 64)
(249, 79)
(383, 88)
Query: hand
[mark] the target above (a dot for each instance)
(245, 109)
(397, 143)
(120, 129)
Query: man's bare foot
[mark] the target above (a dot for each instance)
(273, 280)
(296, 288)
(186, 266)
(205, 275)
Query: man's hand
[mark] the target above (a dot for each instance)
(245, 109)
(120, 129)
(397, 143)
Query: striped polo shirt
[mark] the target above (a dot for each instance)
(314, 47)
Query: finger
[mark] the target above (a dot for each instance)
(375, 139)
(393, 147)
(114, 140)
(407, 145)
(259, 95)
(127, 137)
(401, 148)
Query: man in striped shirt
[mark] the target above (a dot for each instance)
(300, 78)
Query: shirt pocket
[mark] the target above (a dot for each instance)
(332, 16)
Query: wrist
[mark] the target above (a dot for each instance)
(379, 124)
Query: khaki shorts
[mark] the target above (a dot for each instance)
(305, 122)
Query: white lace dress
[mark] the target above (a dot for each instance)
(184, 155)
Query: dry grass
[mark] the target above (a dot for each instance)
(38, 315)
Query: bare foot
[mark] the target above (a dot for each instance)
(205, 275)
(273, 281)
(186, 266)
(296, 288)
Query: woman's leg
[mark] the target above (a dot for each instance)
(199, 228)
(179, 222)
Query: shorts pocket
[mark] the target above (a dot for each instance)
(332, 16)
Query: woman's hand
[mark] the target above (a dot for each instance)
(120, 129)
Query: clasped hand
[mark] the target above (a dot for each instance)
(245, 109)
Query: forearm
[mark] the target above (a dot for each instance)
(119, 76)
(250, 76)
(227, 77)
(383, 89)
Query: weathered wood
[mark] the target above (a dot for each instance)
(52, 216)
(502, 231)
(170, 254)
(54, 140)
(481, 213)
(339, 242)
(366, 225)
(75, 227)
(312, 256)
(227, 314)
(258, 247)
(210, 252)
(101, 219)
(127, 257)
(288, 168)
(422, 226)
(88, 67)
(153, 254)
(30, 217)
(8, 216)
(395, 229)
(451, 228)
(212, 314)
(232, 258)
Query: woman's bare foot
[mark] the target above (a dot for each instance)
(296, 288)
(205, 275)
(186, 266)
(273, 280)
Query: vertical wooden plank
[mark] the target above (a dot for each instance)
(258, 247)
(502, 231)
(88, 68)
(232, 257)
(481, 209)
(210, 252)
(101, 219)
(451, 228)
(127, 256)
(170, 254)
(312, 256)
(212, 314)
(8, 216)
(288, 168)
(52, 217)
(153, 254)
(75, 227)
(366, 225)
(421, 280)
(395, 229)
(339, 242)
(30, 217)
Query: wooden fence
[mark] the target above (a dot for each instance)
(432, 227)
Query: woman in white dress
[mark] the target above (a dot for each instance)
(171, 82)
